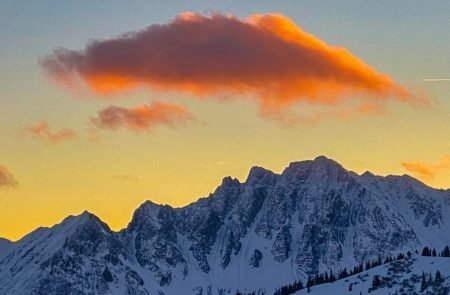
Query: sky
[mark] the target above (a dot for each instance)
(106, 104)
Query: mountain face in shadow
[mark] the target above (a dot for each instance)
(257, 235)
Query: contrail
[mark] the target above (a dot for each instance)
(436, 80)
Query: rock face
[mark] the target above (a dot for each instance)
(256, 235)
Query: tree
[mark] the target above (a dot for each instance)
(343, 274)
(332, 276)
(446, 252)
(309, 283)
(326, 278)
(376, 282)
(438, 278)
(426, 251)
(379, 261)
(107, 275)
(423, 283)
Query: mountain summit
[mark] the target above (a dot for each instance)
(252, 236)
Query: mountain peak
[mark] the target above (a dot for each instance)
(368, 174)
(326, 162)
(147, 209)
(150, 213)
(228, 180)
(260, 175)
(320, 167)
(83, 216)
(82, 221)
(149, 204)
(86, 214)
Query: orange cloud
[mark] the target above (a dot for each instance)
(142, 117)
(42, 130)
(265, 57)
(426, 170)
(6, 178)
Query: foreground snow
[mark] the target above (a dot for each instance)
(401, 277)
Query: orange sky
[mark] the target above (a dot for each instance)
(258, 84)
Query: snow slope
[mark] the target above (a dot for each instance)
(401, 277)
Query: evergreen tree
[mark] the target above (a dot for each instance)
(376, 282)
(423, 283)
(438, 278)
(107, 275)
(309, 283)
(446, 252)
(430, 280)
(343, 274)
(326, 278)
(332, 277)
(426, 251)
(400, 256)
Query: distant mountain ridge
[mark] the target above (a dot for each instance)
(257, 235)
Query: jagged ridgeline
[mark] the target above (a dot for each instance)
(269, 231)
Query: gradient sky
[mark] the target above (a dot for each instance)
(110, 172)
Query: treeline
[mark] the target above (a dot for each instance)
(330, 276)
(427, 251)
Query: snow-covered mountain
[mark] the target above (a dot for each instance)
(252, 236)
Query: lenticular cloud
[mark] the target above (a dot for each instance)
(264, 57)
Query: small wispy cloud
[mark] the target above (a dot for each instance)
(142, 117)
(6, 178)
(42, 130)
(427, 170)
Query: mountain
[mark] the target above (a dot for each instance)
(257, 235)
